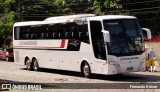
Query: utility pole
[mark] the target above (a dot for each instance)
(102, 6)
(109, 5)
(19, 10)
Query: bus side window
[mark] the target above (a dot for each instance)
(33, 36)
(80, 35)
(27, 36)
(56, 35)
(44, 35)
(83, 34)
(24, 36)
(69, 35)
(66, 34)
(16, 33)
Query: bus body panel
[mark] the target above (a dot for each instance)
(55, 53)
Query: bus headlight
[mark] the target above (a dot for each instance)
(113, 63)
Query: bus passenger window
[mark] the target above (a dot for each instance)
(66, 34)
(55, 35)
(69, 35)
(27, 36)
(24, 36)
(44, 35)
(82, 35)
(33, 36)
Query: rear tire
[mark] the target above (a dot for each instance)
(35, 65)
(28, 64)
(86, 70)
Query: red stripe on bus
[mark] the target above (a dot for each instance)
(68, 21)
(62, 43)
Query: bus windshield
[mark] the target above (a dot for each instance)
(125, 37)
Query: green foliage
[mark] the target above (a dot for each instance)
(97, 7)
(7, 19)
(147, 11)
(7, 3)
(39, 8)
(6, 23)
(59, 4)
(67, 11)
(104, 6)
(48, 8)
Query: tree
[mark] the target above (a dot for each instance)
(36, 9)
(76, 6)
(146, 11)
(104, 6)
(59, 4)
(7, 20)
(46, 8)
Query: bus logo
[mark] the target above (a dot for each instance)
(6, 86)
(131, 58)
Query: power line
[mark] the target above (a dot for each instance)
(140, 2)
(144, 9)
(152, 19)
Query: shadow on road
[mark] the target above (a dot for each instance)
(129, 77)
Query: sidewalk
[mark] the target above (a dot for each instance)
(157, 63)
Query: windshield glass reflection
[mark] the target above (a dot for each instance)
(126, 37)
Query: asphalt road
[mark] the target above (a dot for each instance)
(58, 81)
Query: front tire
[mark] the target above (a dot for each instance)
(86, 70)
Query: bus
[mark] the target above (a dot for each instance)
(86, 43)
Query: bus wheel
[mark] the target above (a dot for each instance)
(35, 65)
(28, 64)
(86, 70)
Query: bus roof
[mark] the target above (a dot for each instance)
(109, 17)
(69, 17)
(34, 23)
(51, 20)
(62, 19)
(26, 23)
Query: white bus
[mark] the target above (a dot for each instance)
(110, 44)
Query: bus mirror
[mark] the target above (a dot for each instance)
(146, 33)
(106, 36)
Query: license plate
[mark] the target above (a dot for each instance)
(129, 68)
